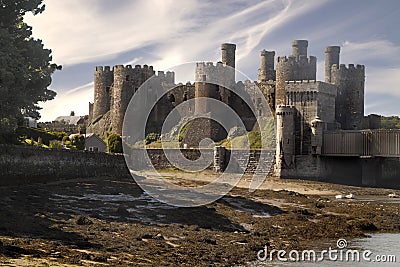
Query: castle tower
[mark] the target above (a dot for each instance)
(294, 68)
(284, 72)
(228, 54)
(285, 137)
(266, 71)
(123, 91)
(332, 54)
(103, 80)
(299, 48)
(205, 85)
(349, 105)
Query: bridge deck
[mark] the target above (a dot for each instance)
(364, 143)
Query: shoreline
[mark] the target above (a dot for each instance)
(111, 222)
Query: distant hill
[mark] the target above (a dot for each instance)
(392, 122)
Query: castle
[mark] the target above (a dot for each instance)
(319, 124)
(338, 102)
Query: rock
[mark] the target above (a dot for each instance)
(350, 196)
(83, 220)
(209, 240)
(159, 237)
(122, 211)
(147, 236)
(304, 212)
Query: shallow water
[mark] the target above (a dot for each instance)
(383, 247)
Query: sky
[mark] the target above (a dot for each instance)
(166, 33)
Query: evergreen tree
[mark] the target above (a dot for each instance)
(25, 65)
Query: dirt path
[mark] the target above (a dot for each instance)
(108, 222)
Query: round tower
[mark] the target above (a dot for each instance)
(349, 104)
(203, 87)
(284, 72)
(123, 91)
(266, 71)
(299, 48)
(332, 54)
(103, 80)
(228, 54)
(285, 137)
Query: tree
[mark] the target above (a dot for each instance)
(78, 141)
(114, 143)
(25, 65)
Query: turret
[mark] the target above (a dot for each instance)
(266, 71)
(299, 48)
(228, 54)
(294, 68)
(122, 93)
(103, 80)
(332, 54)
(206, 85)
(350, 81)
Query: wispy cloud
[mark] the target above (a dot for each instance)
(380, 51)
(168, 33)
(77, 100)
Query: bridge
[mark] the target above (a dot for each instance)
(364, 143)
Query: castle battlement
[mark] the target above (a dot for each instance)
(100, 69)
(349, 68)
(218, 73)
(200, 65)
(292, 60)
(300, 82)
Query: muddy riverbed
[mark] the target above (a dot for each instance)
(112, 222)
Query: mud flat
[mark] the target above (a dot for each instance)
(109, 222)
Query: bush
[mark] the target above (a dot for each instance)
(152, 137)
(78, 141)
(114, 143)
(65, 139)
(56, 144)
(27, 132)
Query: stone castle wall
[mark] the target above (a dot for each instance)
(22, 164)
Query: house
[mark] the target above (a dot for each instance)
(94, 143)
(30, 122)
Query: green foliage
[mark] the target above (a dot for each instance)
(78, 141)
(114, 143)
(56, 144)
(25, 65)
(183, 131)
(152, 137)
(256, 140)
(392, 122)
(35, 133)
(65, 139)
(69, 145)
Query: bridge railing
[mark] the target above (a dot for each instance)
(368, 143)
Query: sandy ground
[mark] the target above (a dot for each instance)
(112, 222)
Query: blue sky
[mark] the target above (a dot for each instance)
(165, 33)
